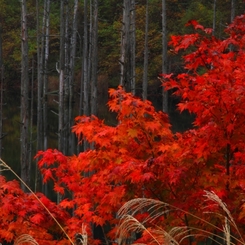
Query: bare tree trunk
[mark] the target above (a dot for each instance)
(73, 44)
(39, 99)
(164, 55)
(145, 71)
(45, 75)
(233, 9)
(1, 92)
(214, 17)
(127, 60)
(66, 129)
(42, 60)
(125, 80)
(94, 59)
(132, 46)
(61, 78)
(46, 21)
(85, 62)
(85, 67)
(31, 115)
(25, 164)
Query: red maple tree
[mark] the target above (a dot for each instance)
(142, 157)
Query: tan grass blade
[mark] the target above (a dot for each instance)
(157, 208)
(25, 238)
(82, 238)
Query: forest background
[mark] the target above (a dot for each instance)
(58, 60)
(87, 41)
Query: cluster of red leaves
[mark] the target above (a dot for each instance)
(119, 166)
(213, 88)
(141, 157)
(21, 213)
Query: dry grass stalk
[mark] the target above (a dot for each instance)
(82, 238)
(25, 238)
(155, 208)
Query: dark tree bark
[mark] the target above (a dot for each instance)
(42, 61)
(85, 75)
(39, 97)
(94, 59)
(45, 74)
(24, 138)
(132, 46)
(233, 9)
(61, 78)
(1, 92)
(145, 71)
(85, 62)
(214, 17)
(73, 44)
(127, 47)
(164, 55)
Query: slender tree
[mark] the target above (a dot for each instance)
(42, 61)
(1, 92)
(39, 98)
(125, 79)
(85, 74)
(94, 59)
(31, 113)
(214, 17)
(233, 9)
(85, 61)
(66, 129)
(73, 45)
(61, 78)
(132, 45)
(45, 73)
(164, 54)
(145, 71)
(24, 138)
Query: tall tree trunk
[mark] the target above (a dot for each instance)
(73, 45)
(85, 66)
(233, 9)
(31, 114)
(214, 17)
(66, 129)
(94, 59)
(145, 71)
(45, 75)
(127, 59)
(125, 80)
(164, 55)
(1, 92)
(25, 164)
(42, 60)
(45, 82)
(39, 99)
(132, 46)
(61, 78)
(85, 62)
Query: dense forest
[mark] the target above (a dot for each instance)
(62, 59)
(74, 51)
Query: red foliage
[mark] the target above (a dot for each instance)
(21, 213)
(141, 157)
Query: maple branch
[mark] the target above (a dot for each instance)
(189, 232)
(147, 138)
(7, 167)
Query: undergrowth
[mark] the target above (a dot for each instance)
(129, 224)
